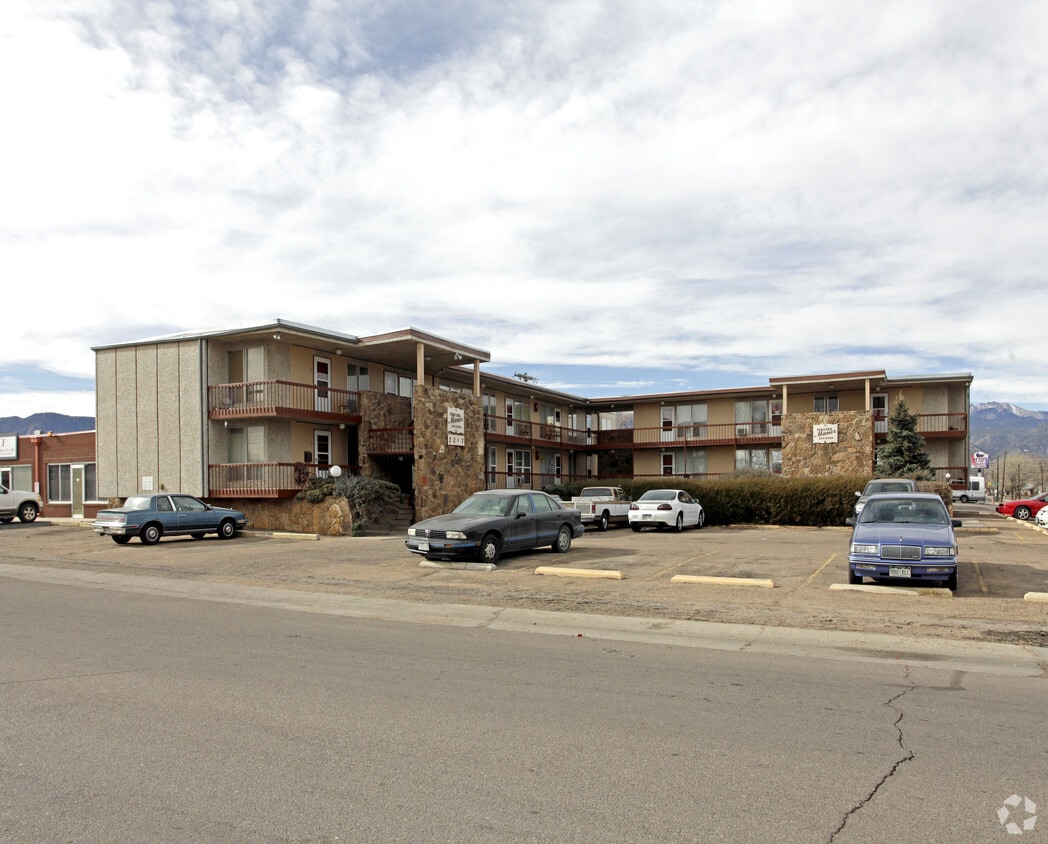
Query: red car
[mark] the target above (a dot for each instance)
(1025, 509)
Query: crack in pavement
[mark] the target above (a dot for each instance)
(907, 756)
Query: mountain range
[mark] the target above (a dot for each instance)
(55, 423)
(1000, 428)
(997, 428)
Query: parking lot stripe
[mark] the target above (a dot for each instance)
(819, 569)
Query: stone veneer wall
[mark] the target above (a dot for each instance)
(331, 517)
(380, 410)
(446, 474)
(852, 454)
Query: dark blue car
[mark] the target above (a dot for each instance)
(151, 516)
(907, 536)
(493, 521)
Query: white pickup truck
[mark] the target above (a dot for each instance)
(17, 502)
(602, 505)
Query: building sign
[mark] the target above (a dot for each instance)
(980, 460)
(147, 483)
(456, 426)
(824, 433)
(8, 446)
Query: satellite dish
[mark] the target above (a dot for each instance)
(336, 471)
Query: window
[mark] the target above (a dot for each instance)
(17, 477)
(667, 463)
(758, 459)
(60, 483)
(691, 420)
(356, 377)
(827, 404)
(247, 445)
(695, 461)
(751, 418)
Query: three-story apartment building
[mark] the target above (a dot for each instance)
(252, 413)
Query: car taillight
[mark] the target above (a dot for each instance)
(634, 507)
(665, 506)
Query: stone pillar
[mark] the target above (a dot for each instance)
(852, 454)
(448, 466)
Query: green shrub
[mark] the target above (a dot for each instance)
(369, 500)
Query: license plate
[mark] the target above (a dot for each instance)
(423, 546)
(645, 515)
(898, 571)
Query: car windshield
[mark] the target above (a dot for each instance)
(659, 495)
(904, 510)
(887, 486)
(138, 502)
(487, 505)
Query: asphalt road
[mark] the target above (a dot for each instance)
(211, 716)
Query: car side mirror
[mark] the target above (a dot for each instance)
(955, 522)
(850, 520)
(858, 494)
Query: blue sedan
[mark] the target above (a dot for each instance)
(151, 516)
(904, 536)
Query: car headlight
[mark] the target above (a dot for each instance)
(859, 548)
(455, 534)
(940, 551)
(412, 532)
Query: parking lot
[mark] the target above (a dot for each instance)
(1001, 561)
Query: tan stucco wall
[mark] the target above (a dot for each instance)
(149, 402)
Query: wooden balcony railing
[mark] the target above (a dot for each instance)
(265, 480)
(282, 398)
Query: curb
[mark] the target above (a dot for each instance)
(723, 581)
(563, 572)
(891, 590)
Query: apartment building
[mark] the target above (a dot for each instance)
(252, 413)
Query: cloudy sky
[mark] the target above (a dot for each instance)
(617, 196)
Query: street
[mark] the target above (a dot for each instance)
(132, 715)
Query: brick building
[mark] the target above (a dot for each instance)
(61, 467)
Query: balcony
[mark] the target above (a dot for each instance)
(396, 441)
(265, 480)
(282, 399)
(931, 426)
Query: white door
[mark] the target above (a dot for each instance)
(667, 424)
(509, 417)
(322, 381)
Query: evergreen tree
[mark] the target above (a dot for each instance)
(905, 454)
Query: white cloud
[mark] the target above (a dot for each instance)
(747, 187)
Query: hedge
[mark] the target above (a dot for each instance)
(761, 499)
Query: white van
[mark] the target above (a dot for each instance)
(975, 491)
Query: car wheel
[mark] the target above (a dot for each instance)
(121, 540)
(951, 581)
(1021, 512)
(679, 526)
(563, 541)
(603, 523)
(854, 578)
(7, 520)
(490, 549)
(700, 522)
(227, 529)
(636, 528)
(150, 534)
(964, 499)
(28, 512)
